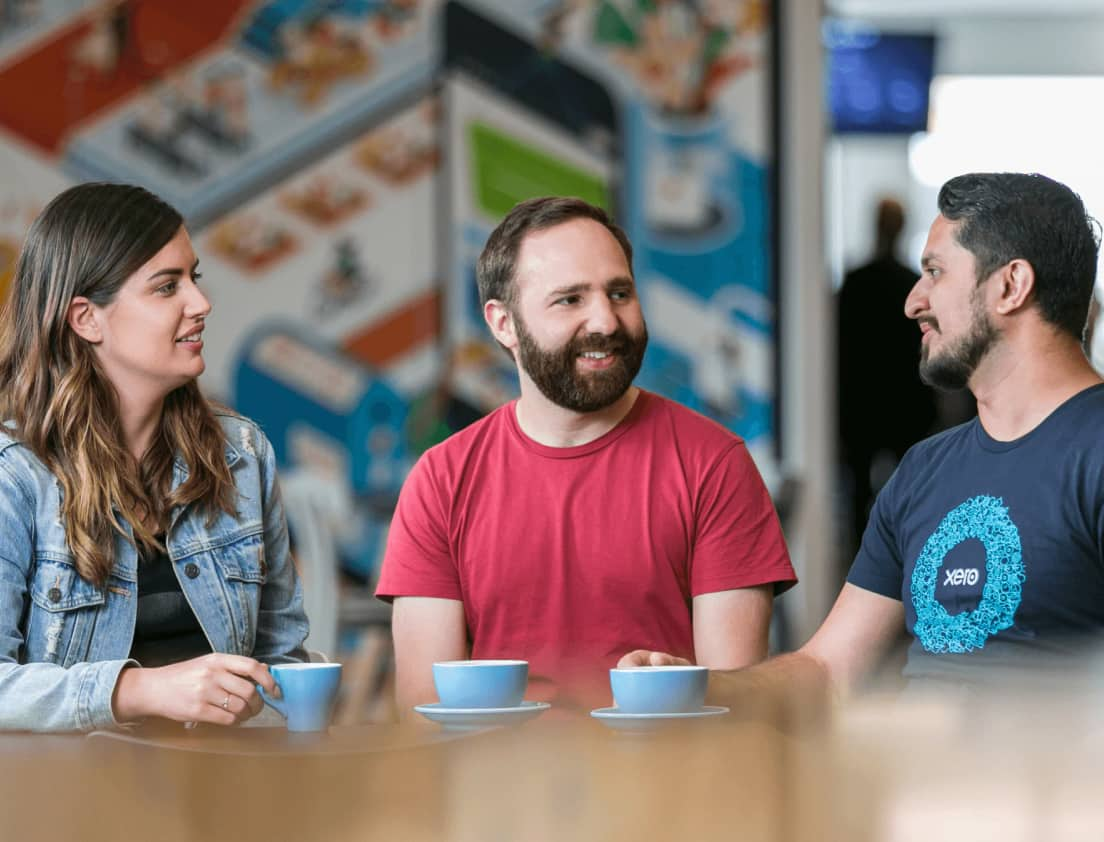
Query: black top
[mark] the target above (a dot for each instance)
(882, 402)
(166, 630)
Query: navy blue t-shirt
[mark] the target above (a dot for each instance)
(994, 547)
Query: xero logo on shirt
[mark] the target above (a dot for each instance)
(961, 576)
(986, 519)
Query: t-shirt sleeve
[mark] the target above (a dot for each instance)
(878, 566)
(738, 541)
(1097, 496)
(418, 560)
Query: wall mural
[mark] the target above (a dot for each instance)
(341, 162)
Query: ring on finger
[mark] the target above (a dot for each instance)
(226, 703)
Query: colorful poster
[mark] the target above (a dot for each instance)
(341, 162)
(660, 112)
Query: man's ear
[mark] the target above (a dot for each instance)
(1017, 283)
(84, 319)
(501, 322)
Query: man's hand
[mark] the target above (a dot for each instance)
(644, 658)
(795, 689)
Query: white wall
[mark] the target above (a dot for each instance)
(858, 171)
(1048, 43)
(861, 168)
(1039, 46)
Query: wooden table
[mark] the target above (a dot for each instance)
(874, 771)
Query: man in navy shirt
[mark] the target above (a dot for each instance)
(987, 544)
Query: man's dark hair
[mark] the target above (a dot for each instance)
(494, 272)
(1005, 216)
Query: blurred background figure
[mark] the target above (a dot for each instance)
(883, 407)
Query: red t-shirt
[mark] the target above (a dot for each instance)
(570, 557)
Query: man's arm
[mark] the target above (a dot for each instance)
(861, 626)
(731, 627)
(425, 630)
(857, 632)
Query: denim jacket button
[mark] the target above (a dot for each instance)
(54, 595)
(191, 570)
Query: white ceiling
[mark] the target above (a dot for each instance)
(963, 8)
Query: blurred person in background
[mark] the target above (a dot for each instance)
(884, 408)
(588, 516)
(144, 567)
(987, 544)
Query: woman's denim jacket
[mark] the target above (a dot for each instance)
(64, 641)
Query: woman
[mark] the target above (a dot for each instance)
(141, 529)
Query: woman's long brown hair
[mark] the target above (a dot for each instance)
(87, 242)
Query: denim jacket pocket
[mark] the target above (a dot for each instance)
(244, 572)
(62, 613)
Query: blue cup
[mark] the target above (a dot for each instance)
(659, 689)
(481, 684)
(308, 693)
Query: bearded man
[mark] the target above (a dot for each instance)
(589, 516)
(987, 543)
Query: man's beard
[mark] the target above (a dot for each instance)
(952, 368)
(557, 376)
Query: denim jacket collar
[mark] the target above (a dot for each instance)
(180, 467)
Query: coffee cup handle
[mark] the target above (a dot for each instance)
(275, 704)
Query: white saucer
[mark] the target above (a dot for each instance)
(621, 721)
(467, 718)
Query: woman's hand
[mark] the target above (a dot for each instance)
(217, 688)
